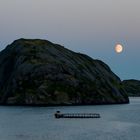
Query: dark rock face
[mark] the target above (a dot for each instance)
(132, 87)
(38, 72)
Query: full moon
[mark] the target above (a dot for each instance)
(118, 48)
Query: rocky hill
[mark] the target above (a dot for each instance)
(38, 72)
(132, 87)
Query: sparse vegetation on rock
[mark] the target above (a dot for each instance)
(38, 72)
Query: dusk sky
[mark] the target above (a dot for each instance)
(92, 27)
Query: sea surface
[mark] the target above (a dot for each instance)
(117, 122)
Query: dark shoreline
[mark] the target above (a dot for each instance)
(59, 105)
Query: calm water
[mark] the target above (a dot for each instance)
(117, 122)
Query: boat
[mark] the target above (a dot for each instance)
(58, 115)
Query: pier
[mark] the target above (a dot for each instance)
(76, 115)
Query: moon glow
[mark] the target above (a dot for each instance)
(118, 48)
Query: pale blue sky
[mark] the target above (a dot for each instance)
(89, 26)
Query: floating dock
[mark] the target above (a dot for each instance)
(76, 115)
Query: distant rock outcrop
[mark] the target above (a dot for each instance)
(38, 72)
(132, 87)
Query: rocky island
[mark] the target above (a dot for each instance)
(39, 72)
(132, 87)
